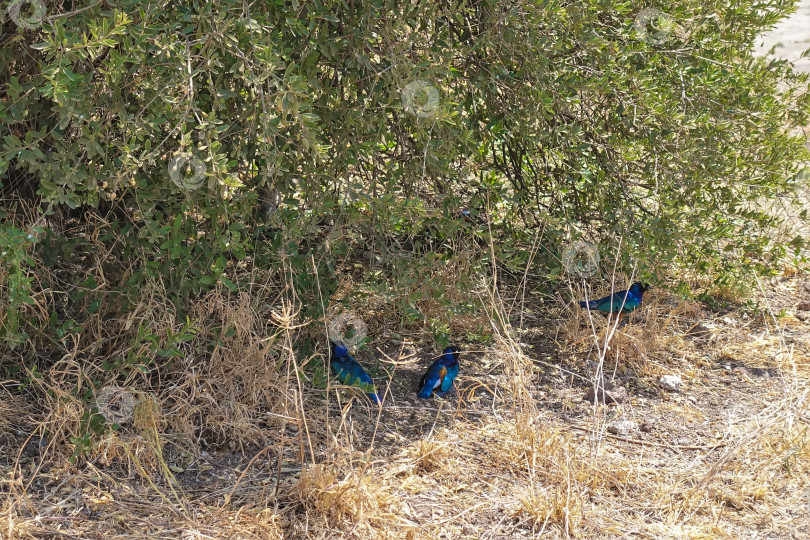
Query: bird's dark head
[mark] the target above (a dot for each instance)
(641, 287)
(451, 353)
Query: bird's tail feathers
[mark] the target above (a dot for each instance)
(588, 305)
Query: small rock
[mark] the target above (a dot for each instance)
(804, 306)
(645, 427)
(802, 316)
(759, 372)
(607, 394)
(671, 383)
(622, 427)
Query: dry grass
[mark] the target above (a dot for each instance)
(231, 443)
(353, 502)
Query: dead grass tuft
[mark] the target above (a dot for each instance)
(552, 507)
(350, 501)
(431, 455)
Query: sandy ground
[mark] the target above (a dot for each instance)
(791, 38)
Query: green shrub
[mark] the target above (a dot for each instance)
(200, 144)
(15, 281)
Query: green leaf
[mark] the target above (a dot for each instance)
(228, 283)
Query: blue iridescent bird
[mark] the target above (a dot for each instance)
(441, 374)
(621, 303)
(349, 372)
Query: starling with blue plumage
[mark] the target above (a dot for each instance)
(440, 375)
(349, 372)
(621, 303)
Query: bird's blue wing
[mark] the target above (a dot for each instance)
(359, 374)
(620, 301)
(631, 302)
(349, 372)
(623, 301)
(340, 369)
(605, 305)
(429, 381)
(428, 384)
(612, 303)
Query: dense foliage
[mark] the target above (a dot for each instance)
(188, 143)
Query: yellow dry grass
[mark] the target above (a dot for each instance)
(238, 445)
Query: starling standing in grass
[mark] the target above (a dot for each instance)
(441, 374)
(621, 303)
(349, 372)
